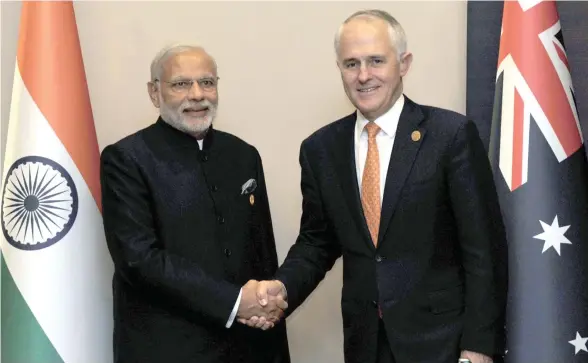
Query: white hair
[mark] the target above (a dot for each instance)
(164, 54)
(395, 30)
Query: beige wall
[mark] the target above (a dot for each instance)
(279, 83)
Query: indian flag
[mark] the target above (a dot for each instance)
(55, 266)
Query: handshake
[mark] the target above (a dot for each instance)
(262, 304)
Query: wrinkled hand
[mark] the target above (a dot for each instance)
(255, 314)
(475, 357)
(268, 293)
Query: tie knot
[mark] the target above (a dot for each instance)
(372, 129)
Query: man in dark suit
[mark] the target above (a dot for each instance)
(405, 194)
(188, 226)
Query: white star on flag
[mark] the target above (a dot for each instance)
(553, 235)
(579, 343)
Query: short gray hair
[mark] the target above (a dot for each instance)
(395, 30)
(164, 54)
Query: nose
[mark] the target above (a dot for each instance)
(195, 93)
(364, 74)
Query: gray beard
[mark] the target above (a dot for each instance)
(175, 118)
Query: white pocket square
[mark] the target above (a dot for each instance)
(249, 186)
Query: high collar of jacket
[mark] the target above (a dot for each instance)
(176, 138)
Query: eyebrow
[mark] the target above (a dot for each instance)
(371, 56)
(183, 78)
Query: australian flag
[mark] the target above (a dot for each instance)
(541, 173)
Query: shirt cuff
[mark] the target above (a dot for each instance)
(235, 309)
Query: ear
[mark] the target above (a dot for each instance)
(153, 90)
(405, 62)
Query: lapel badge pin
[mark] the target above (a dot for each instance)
(249, 187)
(416, 135)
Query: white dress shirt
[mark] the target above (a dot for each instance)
(236, 307)
(388, 124)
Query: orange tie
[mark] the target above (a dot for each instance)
(370, 184)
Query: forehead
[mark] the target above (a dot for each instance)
(191, 64)
(364, 37)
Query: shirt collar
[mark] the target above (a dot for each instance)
(388, 122)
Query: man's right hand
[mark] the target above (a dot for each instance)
(257, 313)
(269, 295)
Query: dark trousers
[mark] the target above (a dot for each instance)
(384, 351)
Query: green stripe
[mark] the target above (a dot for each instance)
(23, 339)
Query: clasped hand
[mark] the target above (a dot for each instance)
(262, 304)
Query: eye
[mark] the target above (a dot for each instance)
(181, 84)
(351, 64)
(207, 82)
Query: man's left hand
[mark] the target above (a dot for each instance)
(475, 357)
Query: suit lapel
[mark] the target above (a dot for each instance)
(403, 155)
(344, 156)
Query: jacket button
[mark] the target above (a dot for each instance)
(378, 258)
(214, 188)
(220, 219)
(227, 252)
(204, 157)
(375, 303)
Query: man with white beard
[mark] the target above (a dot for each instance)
(188, 226)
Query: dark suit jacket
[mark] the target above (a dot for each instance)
(184, 240)
(439, 271)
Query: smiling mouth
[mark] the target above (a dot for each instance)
(197, 112)
(368, 90)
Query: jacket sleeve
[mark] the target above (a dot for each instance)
(316, 248)
(139, 257)
(262, 229)
(482, 240)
